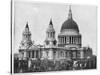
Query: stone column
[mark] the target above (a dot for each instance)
(81, 54)
(61, 40)
(58, 53)
(71, 39)
(76, 39)
(52, 34)
(24, 53)
(68, 54)
(29, 63)
(31, 54)
(49, 35)
(79, 40)
(74, 54)
(65, 40)
(64, 54)
(39, 54)
(34, 54)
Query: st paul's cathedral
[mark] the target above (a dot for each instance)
(68, 47)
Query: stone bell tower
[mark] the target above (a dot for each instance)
(26, 38)
(50, 35)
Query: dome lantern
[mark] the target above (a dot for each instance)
(70, 13)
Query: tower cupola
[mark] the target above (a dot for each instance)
(50, 35)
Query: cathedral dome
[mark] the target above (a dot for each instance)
(70, 24)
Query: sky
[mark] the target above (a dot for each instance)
(38, 16)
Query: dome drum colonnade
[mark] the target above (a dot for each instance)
(69, 40)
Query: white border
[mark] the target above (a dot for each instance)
(5, 37)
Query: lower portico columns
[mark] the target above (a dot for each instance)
(65, 40)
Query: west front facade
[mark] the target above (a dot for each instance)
(64, 53)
